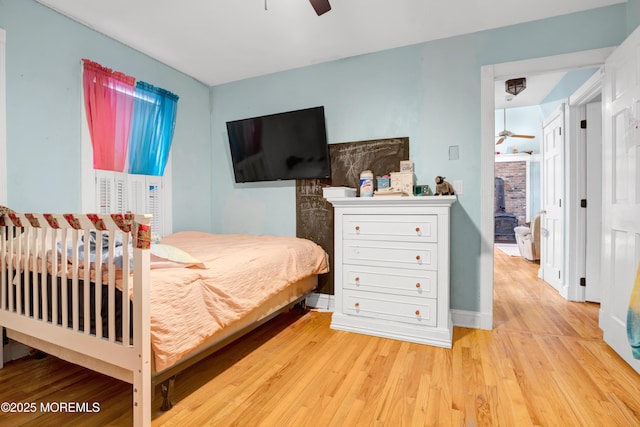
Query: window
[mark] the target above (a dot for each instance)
(106, 185)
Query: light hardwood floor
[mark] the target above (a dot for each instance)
(543, 364)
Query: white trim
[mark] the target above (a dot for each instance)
(574, 215)
(487, 174)
(488, 75)
(3, 120)
(460, 318)
(593, 58)
(167, 198)
(576, 185)
(468, 319)
(589, 90)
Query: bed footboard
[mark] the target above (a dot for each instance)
(66, 286)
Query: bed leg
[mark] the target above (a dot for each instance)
(303, 307)
(167, 391)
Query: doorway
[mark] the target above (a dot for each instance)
(517, 167)
(592, 58)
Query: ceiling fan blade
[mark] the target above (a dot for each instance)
(321, 6)
(500, 141)
(513, 135)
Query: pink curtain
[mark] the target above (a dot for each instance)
(108, 100)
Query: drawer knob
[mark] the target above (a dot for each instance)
(357, 279)
(357, 228)
(417, 229)
(357, 305)
(417, 312)
(417, 257)
(418, 285)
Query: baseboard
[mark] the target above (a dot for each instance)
(471, 319)
(462, 318)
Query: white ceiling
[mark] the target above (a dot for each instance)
(219, 41)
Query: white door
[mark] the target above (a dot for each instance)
(593, 236)
(552, 189)
(621, 192)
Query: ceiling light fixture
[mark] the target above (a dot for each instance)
(515, 86)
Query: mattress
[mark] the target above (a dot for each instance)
(240, 279)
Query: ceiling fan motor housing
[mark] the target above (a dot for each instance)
(321, 6)
(515, 86)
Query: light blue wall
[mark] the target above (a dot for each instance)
(633, 15)
(43, 66)
(429, 92)
(566, 87)
(569, 83)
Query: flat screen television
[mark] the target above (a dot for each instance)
(289, 145)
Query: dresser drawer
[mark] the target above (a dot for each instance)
(412, 283)
(418, 228)
(391, 254)
(418, 311)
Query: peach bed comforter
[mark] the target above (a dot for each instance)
(190, 306)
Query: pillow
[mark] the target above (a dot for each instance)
(118, 252)
(167, 256)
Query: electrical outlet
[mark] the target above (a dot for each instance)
(457, 185)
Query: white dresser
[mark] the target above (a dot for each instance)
(391, 267)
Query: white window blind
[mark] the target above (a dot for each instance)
(121, 193)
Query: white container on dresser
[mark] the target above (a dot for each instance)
(391, 267)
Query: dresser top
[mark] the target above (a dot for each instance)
(394, 201)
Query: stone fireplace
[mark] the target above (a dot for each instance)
(510, 198)
(504, 221)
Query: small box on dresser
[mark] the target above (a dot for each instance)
(403, 181)
(391, 267)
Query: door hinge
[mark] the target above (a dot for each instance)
(583, 281)
(583, 124)
(558, 274)
(583, 203)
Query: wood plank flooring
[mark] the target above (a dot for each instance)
(543, 364)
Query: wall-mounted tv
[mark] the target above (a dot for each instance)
(289, 145)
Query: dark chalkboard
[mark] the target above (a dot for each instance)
(314, 215)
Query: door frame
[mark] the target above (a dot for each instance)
(576, 185)
(488, 74)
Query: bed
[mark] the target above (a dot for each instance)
(138, 310)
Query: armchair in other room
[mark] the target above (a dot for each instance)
(528, 239)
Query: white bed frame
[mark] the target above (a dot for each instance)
(118, 357)
(33, 237)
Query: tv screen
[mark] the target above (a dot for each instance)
(290, 145)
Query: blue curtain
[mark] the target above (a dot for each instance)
(152, 126)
